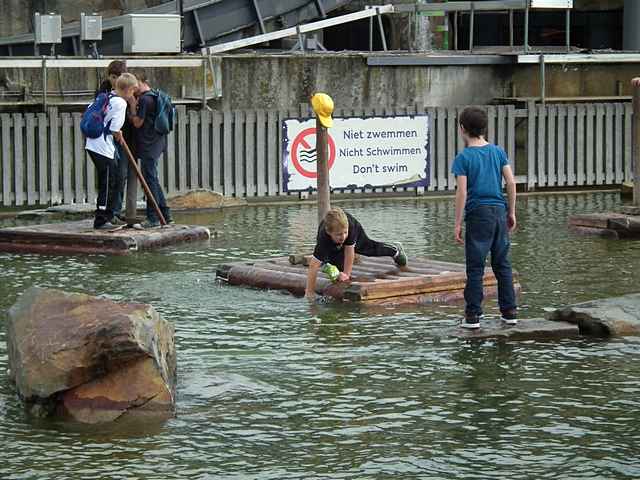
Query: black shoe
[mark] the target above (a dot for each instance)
(510, 317)
(104, 226)
(470, 322)
(150, 224)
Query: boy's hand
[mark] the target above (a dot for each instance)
(343, 277)
(117, 136)
(511, 222)
(458, 234)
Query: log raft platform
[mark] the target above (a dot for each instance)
(612, 225)
(375, 281)
(80, 237)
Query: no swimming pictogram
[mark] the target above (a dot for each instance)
(304, 155)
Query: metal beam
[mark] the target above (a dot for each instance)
(442, 60)
(256, 8)
(292, 31)
(485, 6)
(381, 28)
(321, 10)
(583, 58)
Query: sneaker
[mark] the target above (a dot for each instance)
(510, 317)
(400, 257)
(104, 226)
(471, 322)
(117, 220)
(150, 224)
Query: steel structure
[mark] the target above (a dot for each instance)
(206, 23)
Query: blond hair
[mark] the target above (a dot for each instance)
(336, 220)
(126, 81)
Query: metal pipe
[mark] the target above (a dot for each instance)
(568, 29)
(301, 40)
(44, 84)
(471, 19)
(526, 30)
(455, 30)
(636, 144)
(204, 83)
(371, 34)
(542, 80)
(381, 28)
(511, 28)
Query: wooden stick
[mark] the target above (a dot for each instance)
(143, 182)
(322, 152)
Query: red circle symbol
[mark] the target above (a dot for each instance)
(301, 141)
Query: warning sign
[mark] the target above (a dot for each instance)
(304, 154)
(363, 152)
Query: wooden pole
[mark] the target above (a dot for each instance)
(636, 144)
(145, 187)
(322, 149)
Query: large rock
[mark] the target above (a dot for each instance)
(202, 199)
(610, 316)
(97, 357)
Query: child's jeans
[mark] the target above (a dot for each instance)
(487, 231)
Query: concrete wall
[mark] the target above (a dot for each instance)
(285, 81)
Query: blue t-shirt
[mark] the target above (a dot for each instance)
(483, 168)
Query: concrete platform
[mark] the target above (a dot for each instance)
(375, 281)
(80, 237)
(609, 225)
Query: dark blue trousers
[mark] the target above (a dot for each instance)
(149, 167)
(487, 232)
(107, 187)
(121, 172)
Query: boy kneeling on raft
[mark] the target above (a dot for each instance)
(340, 237)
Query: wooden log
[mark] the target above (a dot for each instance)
(409, 286)
(625, 224)
(269, 279)
(600, 232)
(591, 220)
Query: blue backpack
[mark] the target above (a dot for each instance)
(92, 122)
(165, 112)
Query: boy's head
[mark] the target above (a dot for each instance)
(126, 85)
(114, 70)
(143, 82)
(336, 225)
(473, 123)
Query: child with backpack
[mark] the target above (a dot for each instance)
(151, 115)
(101, 124)
(489, 218)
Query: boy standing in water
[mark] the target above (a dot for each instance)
(489, 218)
(340, 237)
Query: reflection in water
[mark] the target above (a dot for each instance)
(272, 387)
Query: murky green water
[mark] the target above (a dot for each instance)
(272, 389)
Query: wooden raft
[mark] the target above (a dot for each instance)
(610, 225)
(374, 280)
(80, 237)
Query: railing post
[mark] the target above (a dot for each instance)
(636, 143)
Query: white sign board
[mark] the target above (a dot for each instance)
(363, 152)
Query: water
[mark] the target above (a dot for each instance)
(271, 388)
